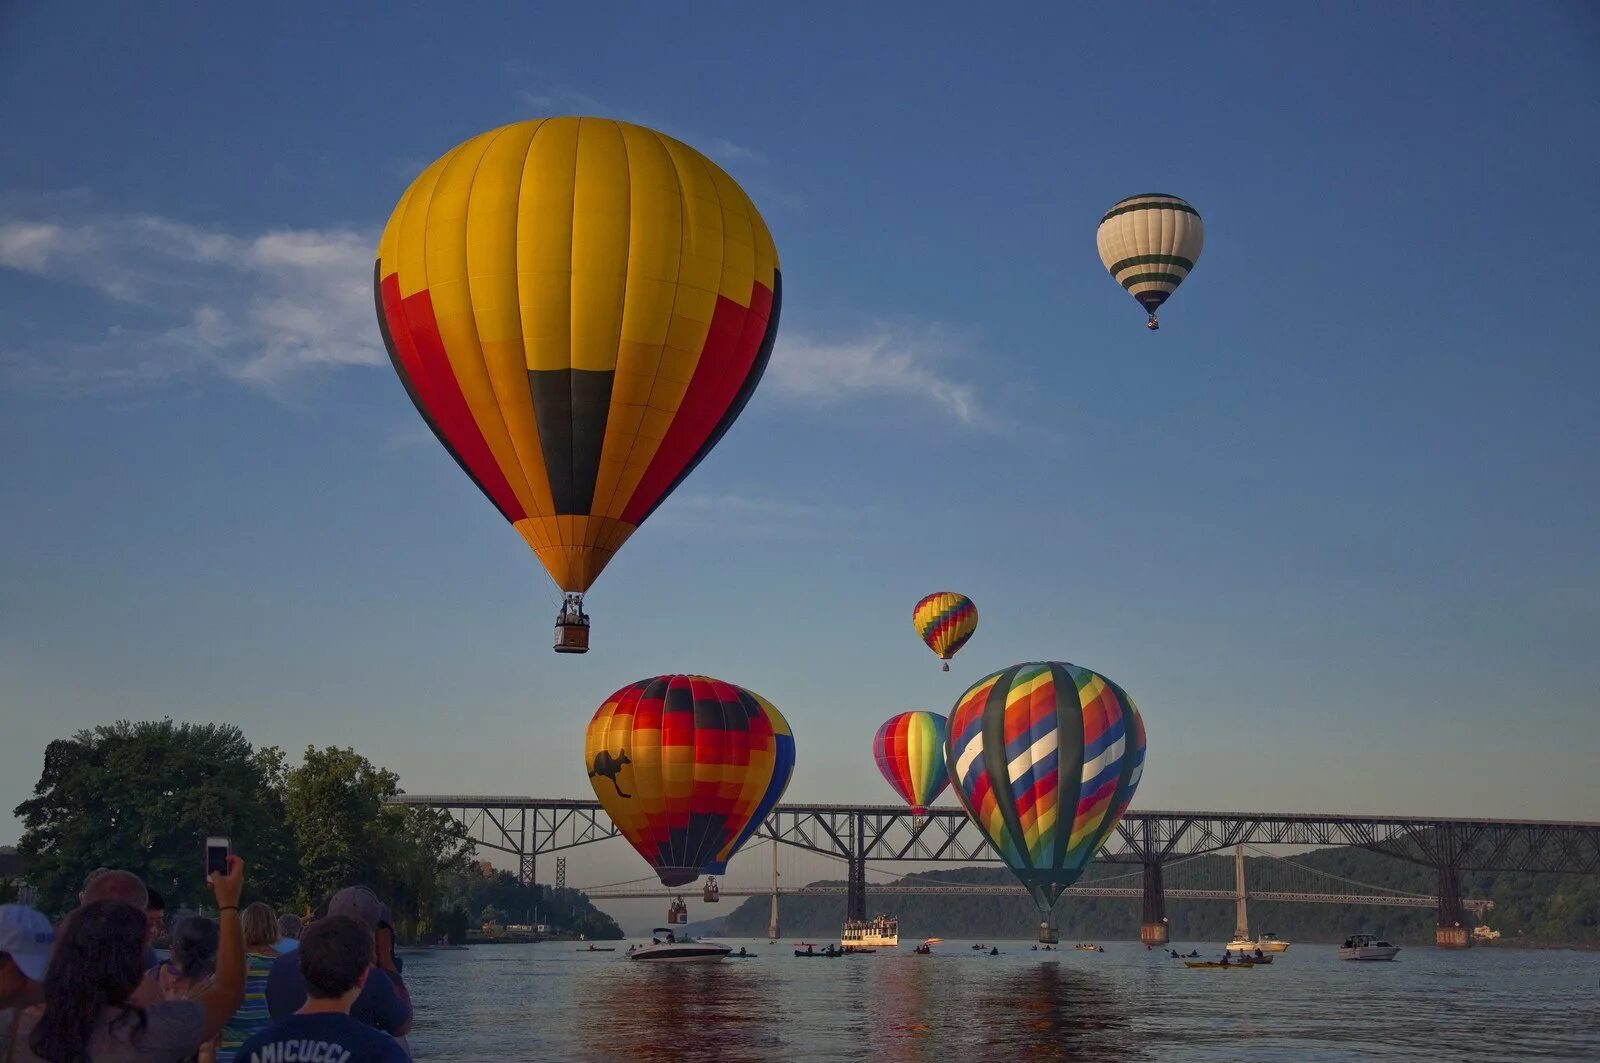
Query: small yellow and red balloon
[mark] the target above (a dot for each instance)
(945, 621)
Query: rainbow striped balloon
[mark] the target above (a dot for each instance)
(1045, 758)
(909, 749)
(945, 620)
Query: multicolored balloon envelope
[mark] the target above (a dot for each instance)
(909, 749)
(945, 620)
(1149, 244)
(1045, 758)
(687, 767)
(579, 309)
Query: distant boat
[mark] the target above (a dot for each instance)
(1241, 965)
(810, 951)
(1085, 946)
(1366, 947)
(1266, 943)
(668, 948)
(881, 932)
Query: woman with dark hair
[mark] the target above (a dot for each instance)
(89, 1015)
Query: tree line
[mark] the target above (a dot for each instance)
(144, 796)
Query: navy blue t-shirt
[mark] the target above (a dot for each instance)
(378, 1005)
(330, 1037)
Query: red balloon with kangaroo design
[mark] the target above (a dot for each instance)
(687, 767)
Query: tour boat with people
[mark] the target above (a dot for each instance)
(880, 932)
(667, 947)
(1366, 947)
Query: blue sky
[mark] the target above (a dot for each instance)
(1334, 527)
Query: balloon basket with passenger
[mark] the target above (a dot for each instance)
(572, 626)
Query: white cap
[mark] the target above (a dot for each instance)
(26, 936)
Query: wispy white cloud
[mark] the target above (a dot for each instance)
(260, 309)
(744, 515)
(886, 361)
(726, 150)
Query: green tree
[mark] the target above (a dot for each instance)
(334, 805)
(346, 835)
(143, 796)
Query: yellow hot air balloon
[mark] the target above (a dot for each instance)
(1149, 243)
(579, 308)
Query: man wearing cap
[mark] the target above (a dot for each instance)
(25, 941)
(384, 1001)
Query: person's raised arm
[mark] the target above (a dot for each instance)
(226, 991)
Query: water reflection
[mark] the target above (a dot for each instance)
(1052, 1011)
(902, 1013)
(676, 1012)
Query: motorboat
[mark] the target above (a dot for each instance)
(1085, 946)
(1271, 943)
(667, 947)
(1239, 965)
(1366, 947)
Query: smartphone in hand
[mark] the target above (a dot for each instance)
(218, 849)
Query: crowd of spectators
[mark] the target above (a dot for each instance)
(249, 986)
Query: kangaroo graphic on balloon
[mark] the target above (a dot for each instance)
(610, 767)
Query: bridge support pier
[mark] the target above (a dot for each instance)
(856, 892)
(1153, 924)
(1451, 933)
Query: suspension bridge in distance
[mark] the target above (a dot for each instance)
(527, 827)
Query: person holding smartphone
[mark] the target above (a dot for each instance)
(88, 1012)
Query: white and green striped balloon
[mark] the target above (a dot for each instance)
(1149, 243)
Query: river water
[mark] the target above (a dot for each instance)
(552, 1002)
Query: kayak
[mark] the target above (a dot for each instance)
(594, 950)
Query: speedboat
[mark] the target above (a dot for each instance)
(1366, 947)
(1085, 946)
(1240, 965)
(666, 947)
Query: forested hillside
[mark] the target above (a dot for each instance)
(1529, 909)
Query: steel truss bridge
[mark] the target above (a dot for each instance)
(526, 827)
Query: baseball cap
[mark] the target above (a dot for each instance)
(26, 936)
(362, 905)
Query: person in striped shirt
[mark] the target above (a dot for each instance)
(260, 925)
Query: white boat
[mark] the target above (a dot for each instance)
(667, 947)
(1366, 947)
(882, 932)
(1265, 943)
